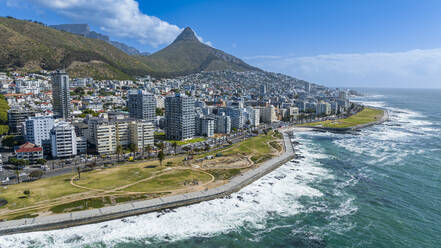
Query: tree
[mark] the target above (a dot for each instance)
(79, 172)
(17, 174)
(4, 129)
(161, 157)
(36, 174)
(18, 162)
(119, 151)
(133, 148)
(160, 145)
(148, 148)
(9, 141)
(175, 145)
(41, 161)
(159, 111)
(79, 91)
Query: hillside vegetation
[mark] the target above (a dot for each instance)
(4, 107)
(27, 47)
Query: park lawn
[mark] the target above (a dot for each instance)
(186, 142)
(256, 145)
(111, 178)
(47, 189)
(40, 190)
(367, 115)
(170, 181)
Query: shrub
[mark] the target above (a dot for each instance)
(27, 192)
(36, 174)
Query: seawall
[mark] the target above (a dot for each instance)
(59, 221)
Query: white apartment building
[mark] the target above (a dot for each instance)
(141, 134)
(253, 116)
(107, 134)
(207, 126)
(323, 108)
(268, 114)
(63, 140)
(102, 134)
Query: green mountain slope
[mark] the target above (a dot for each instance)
(188, 55)
(27, 46)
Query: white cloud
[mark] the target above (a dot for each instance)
(121, 18)
(415, 68)
(208, 43)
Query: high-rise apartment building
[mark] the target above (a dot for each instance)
(142, 105)
(222, 124)
(61, 95)
(180, 117)
(16, 117)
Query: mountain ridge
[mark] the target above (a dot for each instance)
(186, 55)
(27, 46)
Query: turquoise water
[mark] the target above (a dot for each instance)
(379, 188)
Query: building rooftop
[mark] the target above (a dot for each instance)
(29, 147)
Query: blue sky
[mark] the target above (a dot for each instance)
(336, 43)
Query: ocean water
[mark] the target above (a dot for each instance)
(380, 187)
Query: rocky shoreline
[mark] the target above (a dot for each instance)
(60, 221)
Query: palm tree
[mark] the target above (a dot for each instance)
(79, 172)
(148, 148)
(161, 157)
(119, 151)
(17, 173)
(175, 145)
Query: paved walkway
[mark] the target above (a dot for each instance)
(134, 208)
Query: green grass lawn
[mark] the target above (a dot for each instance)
(170, 181)
(47, 189)
(256, 145)
(44, 189)
(111, 178)
(185, 142)
(367, 115)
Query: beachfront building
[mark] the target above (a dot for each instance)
(63, 140)
(141, 134)
(253, 116)
(323, 108)
(180, 117)
(142, 105)
(207, 126)
(222, 124)
(268, 114)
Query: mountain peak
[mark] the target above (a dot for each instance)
(187, 34)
